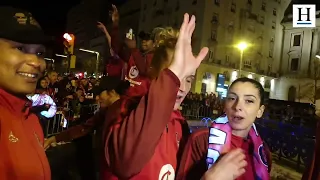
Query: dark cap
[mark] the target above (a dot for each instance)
(20, 26)
(108, 83)
(150, 35)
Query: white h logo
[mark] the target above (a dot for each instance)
(304, 15)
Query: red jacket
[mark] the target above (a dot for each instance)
(143, 141)
(138, 65)
(138, 78)
(22, 156)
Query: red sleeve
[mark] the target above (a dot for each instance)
(118, 46)
(132, 140)
(193, 163)
(81, 129)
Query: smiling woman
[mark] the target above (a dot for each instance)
(22, 64)
(22, 41)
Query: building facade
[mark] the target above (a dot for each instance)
(82, 22)
(299, 61)
(220, 26)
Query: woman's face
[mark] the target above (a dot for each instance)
(21, 66)
(185, 84)
(242, 107)
(44, 84)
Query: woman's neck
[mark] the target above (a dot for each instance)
(241, 133)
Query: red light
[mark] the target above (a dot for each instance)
(67, 37)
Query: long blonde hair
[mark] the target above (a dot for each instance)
(165, 41)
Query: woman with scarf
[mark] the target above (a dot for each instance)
(207, 149)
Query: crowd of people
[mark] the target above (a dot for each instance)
(140, 130)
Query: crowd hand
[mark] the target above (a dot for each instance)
(114, 14)
(103, 28)
(51, 141)
(184, 62)
(229, 167)
(131, 43)
(69, 97)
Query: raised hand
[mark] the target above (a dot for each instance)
(184, 62)
(229, 167)
(102, 27)
(114, 14)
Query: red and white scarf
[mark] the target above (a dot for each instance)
(220, 143)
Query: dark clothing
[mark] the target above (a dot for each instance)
(313, 171)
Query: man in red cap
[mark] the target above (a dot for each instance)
(22, 50)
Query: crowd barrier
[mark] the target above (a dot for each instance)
(291, 143)
(66, 117)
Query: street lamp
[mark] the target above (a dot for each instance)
(97, 61)
(241, 46)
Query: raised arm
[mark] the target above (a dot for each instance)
(79, 130)
(132, 140)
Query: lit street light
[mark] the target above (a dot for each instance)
(318, 56)
(97, 61)
(60, 55)
(241, 46)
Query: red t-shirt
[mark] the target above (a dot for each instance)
(247, 147)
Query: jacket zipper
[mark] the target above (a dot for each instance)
(177, 139)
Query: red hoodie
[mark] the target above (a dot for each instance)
(144, 141)
(138, 64)
(138, 78)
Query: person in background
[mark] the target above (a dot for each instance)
(53, 83)
(143, 140)
(138, 60)
(236, 130)
(42, 83)
(22, 64)
(108, 92)
(312, 172)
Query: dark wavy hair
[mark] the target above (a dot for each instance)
(254, 83)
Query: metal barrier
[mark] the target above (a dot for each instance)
(288, 142)
(197, 112)
(65, 117)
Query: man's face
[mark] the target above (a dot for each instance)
(84, 82)
(79, 92)
(104, 99)
(146, 45)
(21, 66)
(53, 77)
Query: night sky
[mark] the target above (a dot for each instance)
(51, 14)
